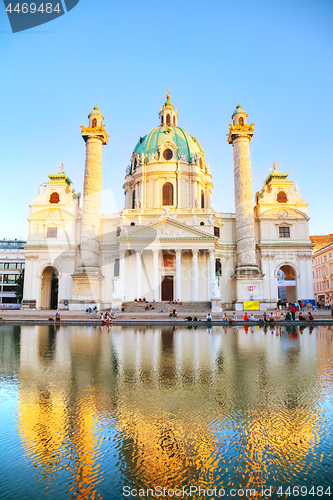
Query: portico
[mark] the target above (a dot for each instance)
(165, 261)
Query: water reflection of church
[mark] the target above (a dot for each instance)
(175, 406)
(168, 242)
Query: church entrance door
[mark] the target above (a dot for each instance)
(49, 291)
(167, 288)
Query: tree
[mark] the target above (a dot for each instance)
(19, 286)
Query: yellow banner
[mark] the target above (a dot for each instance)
(251, 306)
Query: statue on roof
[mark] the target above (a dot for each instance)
(61, 168)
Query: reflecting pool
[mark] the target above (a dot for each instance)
(96, 412)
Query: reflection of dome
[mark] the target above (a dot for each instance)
(185, 143)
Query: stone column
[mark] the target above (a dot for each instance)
(138, 273)
(195, 274)
(87, 278)
(211, 265)
(178, 274)
(95, 138)
(122, 271)
(247, 272)
(155, 275)
(240, 135)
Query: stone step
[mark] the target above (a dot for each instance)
(184, 307)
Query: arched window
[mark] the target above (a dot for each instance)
(241, 121)
(281, 197)
(54, 198)
(202, 199)
(167, 154)
(162, 119)
(174, 121)
(168, 194)
(135, 163)
(168, 119)
(133, 199)
(94, 123)
(200, 163)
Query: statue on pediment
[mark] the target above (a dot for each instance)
(166, 212)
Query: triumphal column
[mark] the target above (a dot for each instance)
(87, 277)
(248, 279)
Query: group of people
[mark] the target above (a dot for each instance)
(144, 300)
(149, 307)
(106, 318)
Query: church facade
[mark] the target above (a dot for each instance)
(168, 243)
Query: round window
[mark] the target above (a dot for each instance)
(167, 154)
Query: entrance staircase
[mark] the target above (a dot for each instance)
(186, 307)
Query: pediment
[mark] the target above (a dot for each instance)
(284, 213)
(51, 214)
(167, 229)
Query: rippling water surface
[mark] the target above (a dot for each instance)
(87, 411)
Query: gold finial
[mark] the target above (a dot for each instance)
(274, 165)
(168, 95)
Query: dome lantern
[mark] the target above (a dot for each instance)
(168, 115)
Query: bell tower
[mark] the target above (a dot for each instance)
(247, 275)
(87, 278)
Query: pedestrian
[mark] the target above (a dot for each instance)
(252, 318)
(310, 317)
(224, 317)
(264, 317)
(293, 312)
(301, 317)
(234, 316)
(57, 317)
(209, 318)
(246, 317)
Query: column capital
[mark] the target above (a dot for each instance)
(179, 250)
(195, 251)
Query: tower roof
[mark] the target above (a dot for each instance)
(238, 109)
(95, 111)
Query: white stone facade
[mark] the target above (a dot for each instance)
(181, 250)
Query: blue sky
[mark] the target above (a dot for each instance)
(272, 57)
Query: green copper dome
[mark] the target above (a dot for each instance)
(185, 143)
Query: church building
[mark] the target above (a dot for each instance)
(168, 243)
